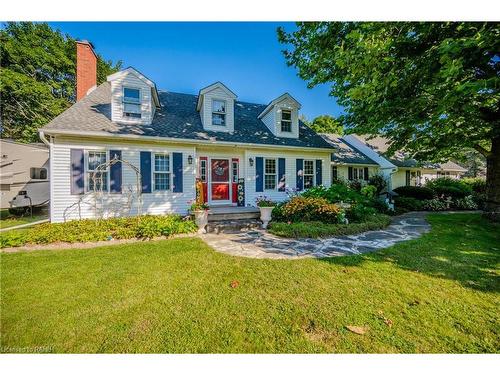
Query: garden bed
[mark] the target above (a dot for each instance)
(83, 231)
(317, 229)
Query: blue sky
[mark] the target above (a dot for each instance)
(185, 57)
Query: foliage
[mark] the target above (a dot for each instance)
(318, 229)
(355, 185)
(449, 187)
(437, 204)
(467, 203)
(148, 226)
(369, 191)
(423, 85)
(378, 181)
(334, 193)
(198, 205)
(359, 212)
(477, 184)
(37, 77)
(326, 124)
(417, 192)
(310, 209)
(264, 201)
(408, 203)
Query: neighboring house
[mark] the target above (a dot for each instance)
(174, 139)
(403, 171)
(24, 171)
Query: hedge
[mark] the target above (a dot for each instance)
(147, 226)
(417, 192)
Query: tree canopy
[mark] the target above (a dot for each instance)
(37, 77)
(326, 124)
(424, 85)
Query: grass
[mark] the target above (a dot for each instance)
(317, 229)
(441, 293)
(7, 220)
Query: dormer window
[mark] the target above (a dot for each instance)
(286, 121)
(219, 112)
(131, 102)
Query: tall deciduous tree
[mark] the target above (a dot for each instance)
(37, 77)
(432, 88)
(326, 124)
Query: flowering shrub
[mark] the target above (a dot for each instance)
(467, 203)
(309, 209)
(197, 205)
(437, 204)
(264, 201)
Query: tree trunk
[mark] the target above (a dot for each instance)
(492, 206)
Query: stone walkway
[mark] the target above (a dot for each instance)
(260, 244)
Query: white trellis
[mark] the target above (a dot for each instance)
(103, 203)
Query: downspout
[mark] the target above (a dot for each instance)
(49, 143)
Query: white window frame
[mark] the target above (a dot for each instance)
(334, 176)
(139, 103)
(287, 121)
(271, 174)
(88, 170)
(224, 113)
(304, 174)
(154, 172)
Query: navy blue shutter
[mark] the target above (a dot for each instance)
(259, 174)
(146, 171)
(366, 174)
(300, 174)
(77, 171)
(319, 172)
(349, 173)
(115, 172)
(177, 166)
(408, 178)
(281, 174)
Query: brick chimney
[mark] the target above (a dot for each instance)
(86, 68)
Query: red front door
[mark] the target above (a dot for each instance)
(219, 180)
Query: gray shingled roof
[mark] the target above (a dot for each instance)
(399, 159)
(345, 153)
(178, 118)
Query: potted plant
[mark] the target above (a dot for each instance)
(266, 207)
(200, 211)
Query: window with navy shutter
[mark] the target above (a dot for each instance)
(177, 167)
(281, 174)
(319, 172)
(299, 166)
(146, 171)
(259, 174)
(77, 171)
(115, 172)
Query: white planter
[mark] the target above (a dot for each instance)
(265, 215)
(201, 220)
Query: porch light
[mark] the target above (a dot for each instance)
(251, 162)
(190, 160)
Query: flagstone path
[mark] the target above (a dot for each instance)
(261, 244)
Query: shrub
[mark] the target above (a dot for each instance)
(334, 194)
(360, 212)
(369, 191)
(437, 204)
(315, 229)
(408, 203)
(467, 203)
(356, 185)
(417, 192)
(378, 181)
(99, 230)
(449, 187)
(309, 209)
(477, 184)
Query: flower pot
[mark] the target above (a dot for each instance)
(265, 215)
(201, 220)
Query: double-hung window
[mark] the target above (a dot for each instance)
(218, 112)
(286, 121)
(203, 170)
(308, 174)
(97, 171)
(161, 174)
(270, 174)
(131, 102)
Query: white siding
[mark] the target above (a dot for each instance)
(130, 80)
(156, 202)
(206, 110)
(290, 171)
(343, 170)
(272, 119)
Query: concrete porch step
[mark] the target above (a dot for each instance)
(228, 213)
(233, 226)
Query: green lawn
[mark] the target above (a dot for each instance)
(7, 220)
(441, 293)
